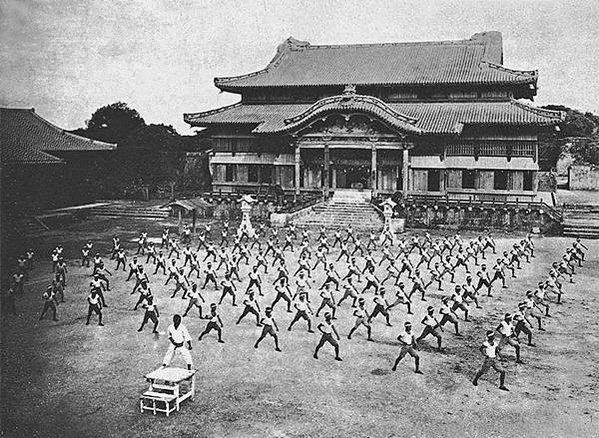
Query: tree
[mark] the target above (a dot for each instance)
(113, 123)
(577, 135)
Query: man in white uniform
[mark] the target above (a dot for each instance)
(178, 337)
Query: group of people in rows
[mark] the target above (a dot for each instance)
(422, 261)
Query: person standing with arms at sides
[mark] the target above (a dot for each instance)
(269, 327)
(121, 260)
(151, 314)
(214, 323)
(178, 337)
(408, 346)
(327, 329)
(361, 315)
(95, 306)
(489, 351)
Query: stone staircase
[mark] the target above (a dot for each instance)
(343, 209)
(131, 209)
(581, 221)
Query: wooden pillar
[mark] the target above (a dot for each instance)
(297, 169)
(373, 171)
(404, 172)
(334, 178)
(327, 160)
(193, 227)
(180, 220)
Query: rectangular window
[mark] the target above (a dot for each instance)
(527, 184)
(230, 173)
(500, 180)
(433, 180)
(266, 173)
(253, 173)
(468, 179)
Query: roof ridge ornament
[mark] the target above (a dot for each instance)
(349, 90)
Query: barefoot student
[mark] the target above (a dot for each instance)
(489, 350)
(328, 329)
(214, 323)
(269, 327)
(178, 336)
(151, 314)
(408, 346)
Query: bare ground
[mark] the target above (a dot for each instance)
(71, 380)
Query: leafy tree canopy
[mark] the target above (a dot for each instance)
(113, 123)
(578, 135)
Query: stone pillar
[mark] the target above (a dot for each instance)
(297, 169)
(373, 171)
(404, 172)
(246, 209)
(327, 161)
(334, 178)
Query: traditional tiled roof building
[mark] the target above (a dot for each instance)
(43, 165)
(433, 117)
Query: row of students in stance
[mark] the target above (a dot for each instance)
(416, 259)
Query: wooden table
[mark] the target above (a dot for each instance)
(165, 387)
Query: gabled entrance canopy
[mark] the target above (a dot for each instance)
(347, 104)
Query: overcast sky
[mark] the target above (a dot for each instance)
(66, 58)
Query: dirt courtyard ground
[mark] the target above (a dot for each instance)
(66, 379)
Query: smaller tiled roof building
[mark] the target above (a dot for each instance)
(43, 165)
(441, 118)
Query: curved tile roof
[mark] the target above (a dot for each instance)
(26, 138)
(440, 118)
(350, 102)
(297, 63)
